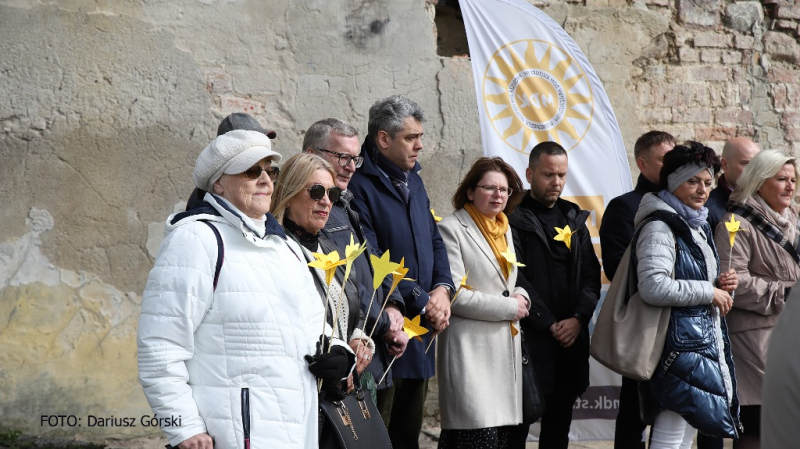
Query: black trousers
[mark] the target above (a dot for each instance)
(557, 417)
(404, 403)
(629, 426)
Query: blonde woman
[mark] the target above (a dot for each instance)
(764, 256)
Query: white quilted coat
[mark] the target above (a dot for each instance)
(198, 349)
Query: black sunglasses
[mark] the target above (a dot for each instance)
(344, 159)
(317, 191)
(254, 172)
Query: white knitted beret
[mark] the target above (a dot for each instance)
(231, 153)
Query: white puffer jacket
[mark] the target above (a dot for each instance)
(204, 354)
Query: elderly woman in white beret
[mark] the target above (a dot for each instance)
(230, 311)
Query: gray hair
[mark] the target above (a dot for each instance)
(763, 166)
(318, 134)
(390, 113)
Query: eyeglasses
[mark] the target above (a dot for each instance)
(317, 191)
(254, 172)
(344, 159)
(503, 190)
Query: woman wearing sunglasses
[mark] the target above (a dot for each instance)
(302, 204)
(229, 312)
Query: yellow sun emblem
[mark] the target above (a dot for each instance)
(534, 92)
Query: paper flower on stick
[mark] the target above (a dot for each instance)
(733, 228)
(564, 235)
(511, 258)
(351, 253)
(413, 328)
(399, 275)
(436, 218)
(382, 267)
(328, 263)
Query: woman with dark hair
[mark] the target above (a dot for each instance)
(479, 359)
(677, 266)
(763, 259)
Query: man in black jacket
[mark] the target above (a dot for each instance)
(562, 277)
(616, 232)
(337, 142)
(736, 154)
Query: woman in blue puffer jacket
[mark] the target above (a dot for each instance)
(694, 386)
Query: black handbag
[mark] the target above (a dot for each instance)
(532, 398)
(354, 422)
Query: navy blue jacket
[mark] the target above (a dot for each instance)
(343, 222)
(688, 380)
(407, 231)
(616, 229)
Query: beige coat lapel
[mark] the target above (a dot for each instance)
(477, 237)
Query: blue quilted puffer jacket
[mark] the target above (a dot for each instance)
(689, 379)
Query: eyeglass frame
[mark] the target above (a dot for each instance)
(272, 172)
(357, 160)
(325, 192)
(491, 189)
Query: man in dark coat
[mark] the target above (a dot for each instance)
(394, 209)
(562, 277)
(736, 154)
(337, 142)
(616, 232)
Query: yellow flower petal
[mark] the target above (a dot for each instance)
(436, 218)
(413, 328)
(382, 267)
(733, 228)
(328, 263)
(564, 235)
(351, 252)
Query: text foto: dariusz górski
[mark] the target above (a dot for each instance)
(109, 421)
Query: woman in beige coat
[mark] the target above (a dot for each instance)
(764, 256)
(479, 359)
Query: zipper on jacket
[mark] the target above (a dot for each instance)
(246, 416)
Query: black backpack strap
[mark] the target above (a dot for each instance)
(220, 251)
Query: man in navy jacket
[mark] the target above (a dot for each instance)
(394, 209)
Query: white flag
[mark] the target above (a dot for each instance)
(533, 84)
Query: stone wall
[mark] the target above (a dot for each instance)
(107, 104)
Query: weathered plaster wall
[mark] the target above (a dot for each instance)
(105, 106)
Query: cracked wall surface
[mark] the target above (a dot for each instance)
(107, 104)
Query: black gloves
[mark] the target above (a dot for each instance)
(331, 367)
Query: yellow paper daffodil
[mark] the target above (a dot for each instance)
(351, 253)
(399, 275)
(436, 218)
(564, 235)
(382, 267)
(328, 263)
(511, 258)
(733, 228)
(413, 328)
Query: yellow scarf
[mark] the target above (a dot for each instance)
(494, 231)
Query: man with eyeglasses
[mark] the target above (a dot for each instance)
(562, 277)
(237, 120)
(395, 214)
(337, 142)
